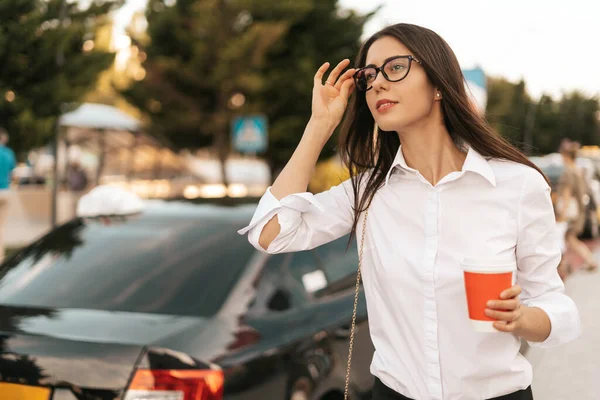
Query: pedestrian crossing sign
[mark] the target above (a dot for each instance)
(249, 133)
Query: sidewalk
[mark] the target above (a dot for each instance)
(572, 371)
(28, 215)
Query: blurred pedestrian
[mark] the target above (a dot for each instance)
(431, 184)
(77, 182)
(7, 164)
(571, 204)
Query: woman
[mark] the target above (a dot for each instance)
(571, 207)
(454, 189)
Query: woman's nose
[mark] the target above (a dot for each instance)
(380, 82)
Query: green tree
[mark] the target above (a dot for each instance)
(545, 135)
(507, 109)
(210, 60)
(538, 126)
(326, 33)
(47, 61)
(577, 119)
(199, 54)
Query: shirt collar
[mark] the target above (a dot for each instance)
(474, 162)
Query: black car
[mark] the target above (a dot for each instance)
(173, 304)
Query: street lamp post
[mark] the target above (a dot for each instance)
(60, 60)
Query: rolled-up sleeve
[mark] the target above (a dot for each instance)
(538, 256)
(306, 221)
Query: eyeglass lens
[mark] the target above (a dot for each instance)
(394, 70)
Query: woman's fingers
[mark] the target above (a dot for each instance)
(505, 326)
(508, 316)
(507, 311)
(347, 88)
(333, 76)
(347, 75)
(511, 304)
(352, 87)
(320, 73)
(513, 291)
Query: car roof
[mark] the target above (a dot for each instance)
(226, 209)
(112, 201)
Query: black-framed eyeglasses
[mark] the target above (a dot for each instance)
(394, 69)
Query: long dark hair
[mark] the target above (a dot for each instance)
(369, 155)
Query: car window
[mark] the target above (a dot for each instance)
(276, 289)
(179, 264)
(306, 270)
(327, 268)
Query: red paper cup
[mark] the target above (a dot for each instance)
(485, 280)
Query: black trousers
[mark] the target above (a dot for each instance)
(382, 392)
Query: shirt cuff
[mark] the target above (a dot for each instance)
(267, 207)
(565, 324)
(289, 210)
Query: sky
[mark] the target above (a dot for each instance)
(554, 45)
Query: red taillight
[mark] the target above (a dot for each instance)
(176, 385)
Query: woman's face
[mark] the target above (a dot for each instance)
(396, 106)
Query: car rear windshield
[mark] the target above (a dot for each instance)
(165, 263)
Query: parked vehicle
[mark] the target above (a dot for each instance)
(171, 303)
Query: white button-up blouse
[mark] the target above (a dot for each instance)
(417, 235)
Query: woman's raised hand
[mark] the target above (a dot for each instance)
(330, 98)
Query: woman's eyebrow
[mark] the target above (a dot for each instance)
(384, 61)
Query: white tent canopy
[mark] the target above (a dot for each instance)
(99, 116)
(111, 144)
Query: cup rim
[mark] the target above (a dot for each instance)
(482, 265)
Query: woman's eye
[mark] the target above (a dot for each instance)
(397, 67)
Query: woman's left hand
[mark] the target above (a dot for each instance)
(508, 311)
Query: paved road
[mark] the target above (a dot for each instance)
(572, 371)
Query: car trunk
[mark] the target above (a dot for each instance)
(75, 354)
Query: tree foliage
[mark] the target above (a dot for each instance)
(44, 64)
(326, 33)
(200, 53)
(538, 125)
